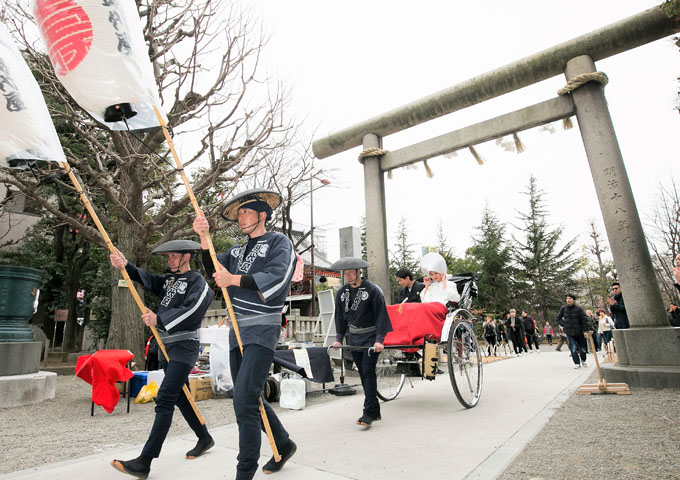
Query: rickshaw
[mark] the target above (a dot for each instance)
(455, 346)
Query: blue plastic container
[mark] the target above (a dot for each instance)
(137, 382)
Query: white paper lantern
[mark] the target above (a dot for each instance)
(27, 131)
(98, 51)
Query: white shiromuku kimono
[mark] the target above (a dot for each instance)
(437, 292)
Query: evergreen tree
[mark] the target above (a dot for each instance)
(403, 257)
(545, 270)
(454, 265)
(492, 254)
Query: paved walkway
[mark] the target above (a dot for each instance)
(424, 432)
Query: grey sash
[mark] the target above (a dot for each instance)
(353, 329)
(267, 319)
(178, 337)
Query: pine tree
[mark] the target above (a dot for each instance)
(545, 270)
(403, 257)
(492, 254)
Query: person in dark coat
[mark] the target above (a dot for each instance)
(257, 275)
(410, 287)
(516, 332)
(576, 325)
(673, 315)
(361, 316)
(530, 330)
(618, 307)
(489, 333)
(185, 297)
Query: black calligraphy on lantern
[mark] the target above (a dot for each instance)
(13, 101)
(118, 24)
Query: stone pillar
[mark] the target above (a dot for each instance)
(650, 341)
(376, 223)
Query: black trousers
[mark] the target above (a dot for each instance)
(517, 340)
(170, 394)
(250, 373)
(366, 365)
(532, 338)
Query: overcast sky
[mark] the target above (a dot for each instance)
(348, 61)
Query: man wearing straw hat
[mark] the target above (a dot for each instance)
(185, 297)
(258, 275)
(360, 313)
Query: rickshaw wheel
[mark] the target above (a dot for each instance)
(464, 358)
(390, 382)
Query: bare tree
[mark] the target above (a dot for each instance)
(664, 237)
(598, 273)
(231, 119)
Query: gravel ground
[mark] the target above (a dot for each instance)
(599, 436)
(62, 428)
(623, 437)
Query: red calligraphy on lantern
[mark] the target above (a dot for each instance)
(67, 30)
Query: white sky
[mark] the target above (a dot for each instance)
(349, 61)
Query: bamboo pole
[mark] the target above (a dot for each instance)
(218, 266)
(126, 277)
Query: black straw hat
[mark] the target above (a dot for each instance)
(177, 246)
(270, 197)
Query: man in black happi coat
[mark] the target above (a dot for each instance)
(360, 314)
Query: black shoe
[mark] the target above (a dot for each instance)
(203, 445)
(376, 418)
(365, 420)
(137, 468)
(272, 466)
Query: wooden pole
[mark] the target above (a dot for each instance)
(602, 386)
(126, 277)
(218, 266)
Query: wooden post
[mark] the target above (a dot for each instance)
(602, 386)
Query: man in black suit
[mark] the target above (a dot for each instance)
(410, 288)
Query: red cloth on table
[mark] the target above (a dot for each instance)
(102, 370)
(413, 321)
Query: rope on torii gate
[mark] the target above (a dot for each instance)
(575, 83)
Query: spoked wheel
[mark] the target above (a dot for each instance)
(389, 381)
(464, 359)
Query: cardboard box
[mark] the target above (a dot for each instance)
(200, 387)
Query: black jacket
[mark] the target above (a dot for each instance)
(573, 319)
(489, 330)
(619, 312)
(413, 295)
(528, 323)
(674, 317)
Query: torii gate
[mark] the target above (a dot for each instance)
(647, 343)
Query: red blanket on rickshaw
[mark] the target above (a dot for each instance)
(411, 322)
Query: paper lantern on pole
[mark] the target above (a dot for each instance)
(27, 132)
(98, 52)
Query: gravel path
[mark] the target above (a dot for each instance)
(62, 428)
(599, 436)
(623, 437)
